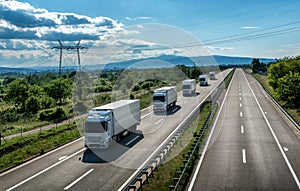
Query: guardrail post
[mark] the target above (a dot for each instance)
(171, 187)
(132, 187)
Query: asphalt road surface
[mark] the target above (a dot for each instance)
(252, 145)
(72, 167)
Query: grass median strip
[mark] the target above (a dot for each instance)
(174, 159)
(17, 150)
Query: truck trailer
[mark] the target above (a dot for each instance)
(111, 121)
(188, 87)
(164, 98)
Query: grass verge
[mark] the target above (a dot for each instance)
(263, 80)
(17, 127)
(17, 150)
(228, 78)
(174, 159)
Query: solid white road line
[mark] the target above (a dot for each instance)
(275, 137)
(157, 122)
(135, 138)
(244, 156)
(208, 140)
(241, 114)
(41, 172)
(78, 179)
(242, 129)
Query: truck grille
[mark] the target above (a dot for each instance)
(94, 139)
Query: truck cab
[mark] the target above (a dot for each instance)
(203, 80)
(98, 129)
(212, 75)
(164, 98)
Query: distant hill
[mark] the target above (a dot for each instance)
(4, 70)
(180, 60)
(154, 62)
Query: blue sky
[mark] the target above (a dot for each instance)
(28, 29)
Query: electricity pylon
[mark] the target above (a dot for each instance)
(61, 47)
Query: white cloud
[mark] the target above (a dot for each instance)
(27, 22)
(219, 48)
(144, 18)
(249, 27)
(129, 18)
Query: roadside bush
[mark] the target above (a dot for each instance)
(45, 114)
(103, 88)
(9, 115)
(51, 114)
(46, 102)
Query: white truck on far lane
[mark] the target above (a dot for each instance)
(188, 87)
(212, 75)
(203, 80)
(164, 98)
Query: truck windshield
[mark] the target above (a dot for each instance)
(202, 79)
(159, 98)
(95, 127)
(186, 87)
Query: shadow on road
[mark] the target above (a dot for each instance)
(171, 111)
(114, 151)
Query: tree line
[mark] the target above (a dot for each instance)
(284, 78)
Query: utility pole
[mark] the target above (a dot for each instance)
(61, 47)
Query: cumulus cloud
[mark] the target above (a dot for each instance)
(19, 20)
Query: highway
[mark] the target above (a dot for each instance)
(72, 167)
(252, 145)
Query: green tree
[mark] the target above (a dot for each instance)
(258, 66)
(289, 89)
(17, 92)
(59, 89)
(32, 104)
(283, 77)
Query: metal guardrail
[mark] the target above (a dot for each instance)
(283, 110)
(192, 152)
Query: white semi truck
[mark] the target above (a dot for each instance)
(203, 80)
(164, 98)
(212, 75)
(188, 87)
(111, 121)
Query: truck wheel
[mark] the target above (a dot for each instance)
(118, 138)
